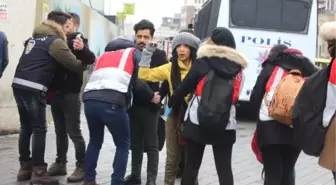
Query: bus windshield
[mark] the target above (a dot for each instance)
(277, 15)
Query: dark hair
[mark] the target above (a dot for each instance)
(276, 50)
(59, 17)
(75, 17)
(175, 74)
(143, 25)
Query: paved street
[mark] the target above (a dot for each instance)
(247, 171)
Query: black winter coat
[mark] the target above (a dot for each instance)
(273, 132)
(66, 81)
(158, 59)
(225, 62)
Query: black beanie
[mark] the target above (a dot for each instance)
(223, 36)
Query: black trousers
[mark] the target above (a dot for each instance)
(279, 164)
(33, 124)
(194, 156)
(144, 136)
(66, 109)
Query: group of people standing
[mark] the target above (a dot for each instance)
(124, 93)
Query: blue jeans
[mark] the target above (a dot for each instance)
(100, 114)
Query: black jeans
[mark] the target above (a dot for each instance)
(279, 164)
(32, 111)
(66, 109)
(194, 156)
(144, 136)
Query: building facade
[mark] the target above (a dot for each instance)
(189, 10)
(171, 22)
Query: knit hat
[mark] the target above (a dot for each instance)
(223, 36)
(328, 31)
(187, 39)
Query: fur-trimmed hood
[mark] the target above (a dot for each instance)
(328, 31)
(222, 52)
(49, 28)
(225, 61)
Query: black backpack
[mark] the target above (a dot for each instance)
(307, 116)
(216, 101)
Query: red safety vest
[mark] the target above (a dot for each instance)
(330, 107)
(113, 71)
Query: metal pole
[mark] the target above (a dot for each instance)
(90, 3)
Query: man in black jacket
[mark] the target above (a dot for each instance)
(144, 117)
(66, 106)
(33, 76)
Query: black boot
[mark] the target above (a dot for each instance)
(135, 177)
(132, 180)
(152, 165)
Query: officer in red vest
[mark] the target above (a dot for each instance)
(106, 98)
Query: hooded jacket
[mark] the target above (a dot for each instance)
(66, 81)
(271, 131)
(42, 53)
(227, 63)
(136, 86)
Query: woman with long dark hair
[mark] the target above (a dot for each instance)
(217, 57)
(184, 47)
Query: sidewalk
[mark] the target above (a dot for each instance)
(247, 171)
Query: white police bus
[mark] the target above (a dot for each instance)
(257, 25)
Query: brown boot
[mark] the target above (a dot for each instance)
(26, 170)
(78, 174)
(57, 169)
(90, 182)
(41, 177)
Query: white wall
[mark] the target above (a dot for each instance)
(18, 26)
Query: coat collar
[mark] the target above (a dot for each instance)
(49, 27)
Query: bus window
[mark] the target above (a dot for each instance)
(298, 9)
(207, 18)
(271, 14)
(243, 12)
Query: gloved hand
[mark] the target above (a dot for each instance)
(147, 54)
(151, 46)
